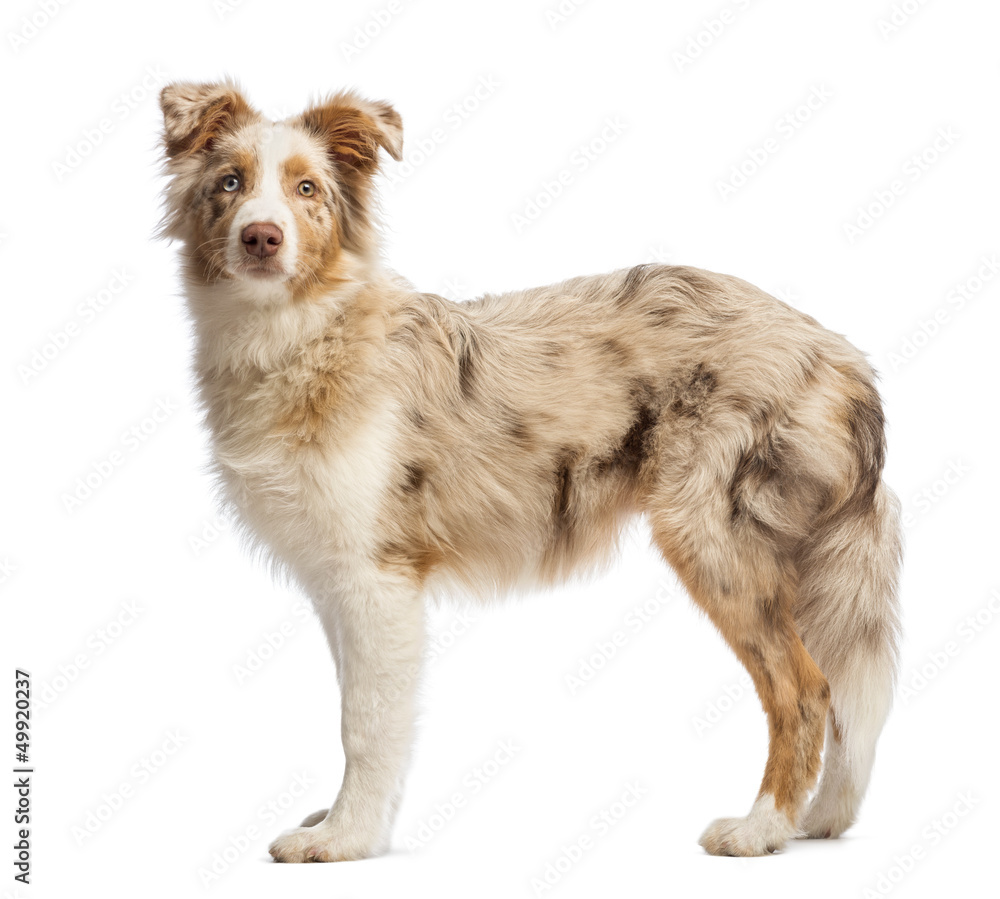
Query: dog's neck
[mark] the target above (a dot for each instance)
(252, 329)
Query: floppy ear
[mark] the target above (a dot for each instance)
(195, 114)
(354, 128)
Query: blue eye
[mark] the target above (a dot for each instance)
(230, 183)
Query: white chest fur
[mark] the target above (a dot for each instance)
(312, 505)
(309, 502)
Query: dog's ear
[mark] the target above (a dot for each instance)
(195, 114)
(353, 129)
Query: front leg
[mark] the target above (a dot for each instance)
(376, 635)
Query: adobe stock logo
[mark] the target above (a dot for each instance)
(599, 826)
(94, 136)
(884, 198)
(580, 160)
(44, 13)
(958, 298)
(130, 442)
(371, 29)
(59, 339)
(933, 834)
(785, 128)
(712, 28)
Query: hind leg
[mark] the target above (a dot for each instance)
(794, 695)
(739, 580)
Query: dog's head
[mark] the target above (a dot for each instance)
(279, 206)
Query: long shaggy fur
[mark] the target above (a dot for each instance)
(382, 443)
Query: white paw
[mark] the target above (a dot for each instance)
(826, 819)
(320, 843)
(764, 830)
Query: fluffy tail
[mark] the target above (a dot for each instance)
(848, 617)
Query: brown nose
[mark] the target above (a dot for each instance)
(262, 239)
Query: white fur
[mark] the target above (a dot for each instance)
(375, 628)
(764, 830)
(268, 204)
(862, 700)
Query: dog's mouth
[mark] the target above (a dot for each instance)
(268, 268)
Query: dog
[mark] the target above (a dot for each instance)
(382, 445)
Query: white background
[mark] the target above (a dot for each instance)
(668, 714)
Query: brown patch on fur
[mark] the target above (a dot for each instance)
(866, 424)
(639, 287)
(872, 632)
(306, 418)
(614, 349)
(633, 449)
(415, 477)
(628, 456)
(325, 377)
(811, 365)
(415, 327)
(294, 169)
(761, 415)
(563, 489)
(417, 561)
(465, 371)
(352, 135)
(465, 346)
(323, 268)
(245, 163)
(664, 316)
(764, 682)
(756, 467)
(635, 278)
(835, 728)
(211, 229)
(691, 396)
(519, 431)
(195, 116)
(863, 421)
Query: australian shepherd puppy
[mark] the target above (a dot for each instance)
(382, 444)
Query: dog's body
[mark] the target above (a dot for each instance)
(381, 443)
